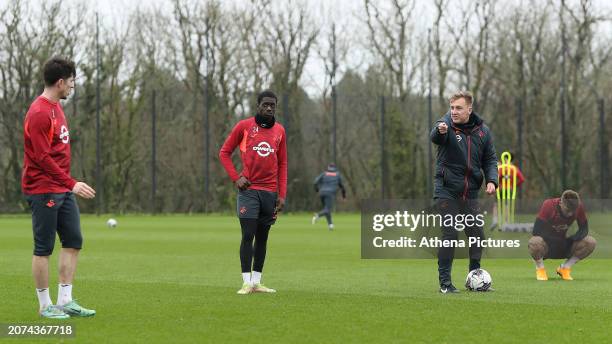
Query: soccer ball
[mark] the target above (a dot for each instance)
(111, 223)
(478, 280)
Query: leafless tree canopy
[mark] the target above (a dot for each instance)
(524, 58)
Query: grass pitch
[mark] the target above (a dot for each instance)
(174, 279)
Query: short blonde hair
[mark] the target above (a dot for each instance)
(467, 95)
(571, 199)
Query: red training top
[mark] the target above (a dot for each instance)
(46, 145)
(519, 176)
(555, 223)
(263, 152)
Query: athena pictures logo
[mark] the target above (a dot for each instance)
(263, 149)
(64, 135)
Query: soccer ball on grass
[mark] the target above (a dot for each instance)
(478, 280)
(111, 223)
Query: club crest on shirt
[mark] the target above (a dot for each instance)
(458, 138)
(243, 210)
(64, 134)
(254, 131)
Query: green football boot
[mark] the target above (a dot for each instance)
(72, 308)
(53, 312)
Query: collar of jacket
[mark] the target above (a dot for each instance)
(474, 122)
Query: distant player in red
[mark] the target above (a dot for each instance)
(520, 178)
(49, 190)
(549, 235)
(262, 184)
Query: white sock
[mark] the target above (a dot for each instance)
(246, 277)
(44, 299)
(256, 277)
(570, 262)
(539, 263)
(64, 294)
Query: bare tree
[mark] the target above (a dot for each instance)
(24, 49)
(390, 34)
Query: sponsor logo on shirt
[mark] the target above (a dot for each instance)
(263, 149)
(560, 228)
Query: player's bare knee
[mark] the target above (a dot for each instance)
(589, 242)
(537, 247)
(536, 240)
(41, 256)
(73, 249)
(585, 247)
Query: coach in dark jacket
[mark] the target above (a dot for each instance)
(466, 157)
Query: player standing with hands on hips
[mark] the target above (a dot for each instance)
(49, 190)
(262, 184)
(466, 157)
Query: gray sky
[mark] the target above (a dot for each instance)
(346, 13)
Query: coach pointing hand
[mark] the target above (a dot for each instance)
(442, 128)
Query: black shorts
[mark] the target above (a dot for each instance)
(57, 212)
(558, 248)
(257, 204)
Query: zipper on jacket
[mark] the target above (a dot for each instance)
(469, 163)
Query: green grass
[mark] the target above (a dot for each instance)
(174, 279)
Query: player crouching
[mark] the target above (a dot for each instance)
(549, 235)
